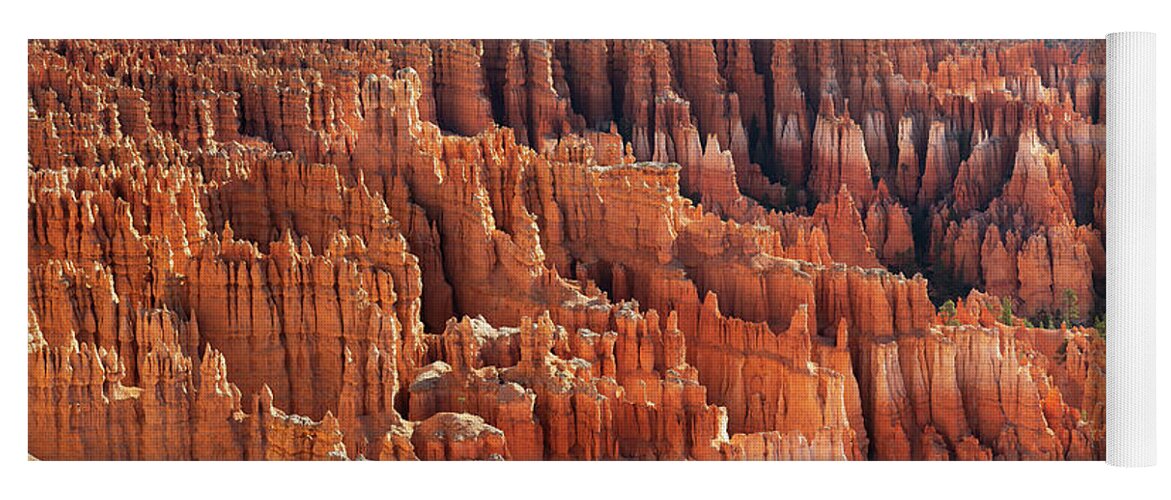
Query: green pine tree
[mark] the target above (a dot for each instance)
(1044, 320)
(1006, 317)
(1100, 325)
(1069, 310)
(947, 313)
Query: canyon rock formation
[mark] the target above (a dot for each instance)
(566, 250)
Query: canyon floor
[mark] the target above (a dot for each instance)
(566, 250)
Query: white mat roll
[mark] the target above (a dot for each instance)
(1130, 249)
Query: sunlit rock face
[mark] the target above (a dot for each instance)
(566, 250)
